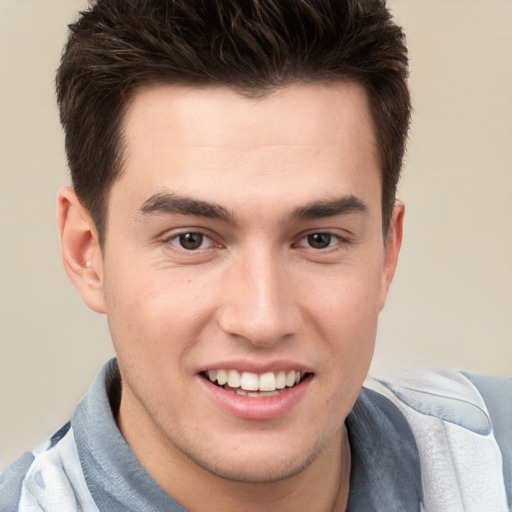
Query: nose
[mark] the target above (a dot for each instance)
(259, 303)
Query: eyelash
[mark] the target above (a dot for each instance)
(176, 240)
(332, 237)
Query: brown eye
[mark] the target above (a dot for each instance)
(319, 240)
(191, 241)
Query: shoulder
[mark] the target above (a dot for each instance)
(48, 478)
(462, 424)
(497, 395)
(471, 401)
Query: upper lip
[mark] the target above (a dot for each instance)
(257, 367)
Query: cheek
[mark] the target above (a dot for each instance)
(156, 313)
(351, 301)
(346, 318)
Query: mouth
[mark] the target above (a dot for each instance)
(253, 384)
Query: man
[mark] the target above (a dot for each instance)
(233, 214)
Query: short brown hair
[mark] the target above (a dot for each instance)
(251, 46)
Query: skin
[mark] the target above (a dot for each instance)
(270, 172)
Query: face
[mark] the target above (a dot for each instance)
(243, 273)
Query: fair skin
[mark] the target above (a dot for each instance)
(244, 235)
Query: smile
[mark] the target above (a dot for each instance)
(253, 384)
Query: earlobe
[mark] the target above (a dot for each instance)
(80, 249)
(392, 248)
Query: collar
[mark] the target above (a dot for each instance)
(385, 473)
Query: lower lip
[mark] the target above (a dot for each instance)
(256, 408)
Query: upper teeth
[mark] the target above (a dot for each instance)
(249, 381)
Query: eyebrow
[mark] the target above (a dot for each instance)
(169, 203)
(330, 208)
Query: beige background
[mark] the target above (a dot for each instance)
(451, 302)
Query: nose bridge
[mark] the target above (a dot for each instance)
(258, 304)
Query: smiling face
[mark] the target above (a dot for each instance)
(243, 273)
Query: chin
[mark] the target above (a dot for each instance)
(258, 466)
(250, 472)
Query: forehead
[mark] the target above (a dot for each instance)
(219, 116)
(201, 141)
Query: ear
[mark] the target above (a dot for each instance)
(80, 249)
(392, 246)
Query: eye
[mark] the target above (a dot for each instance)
(190, 241)
(319, 240)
